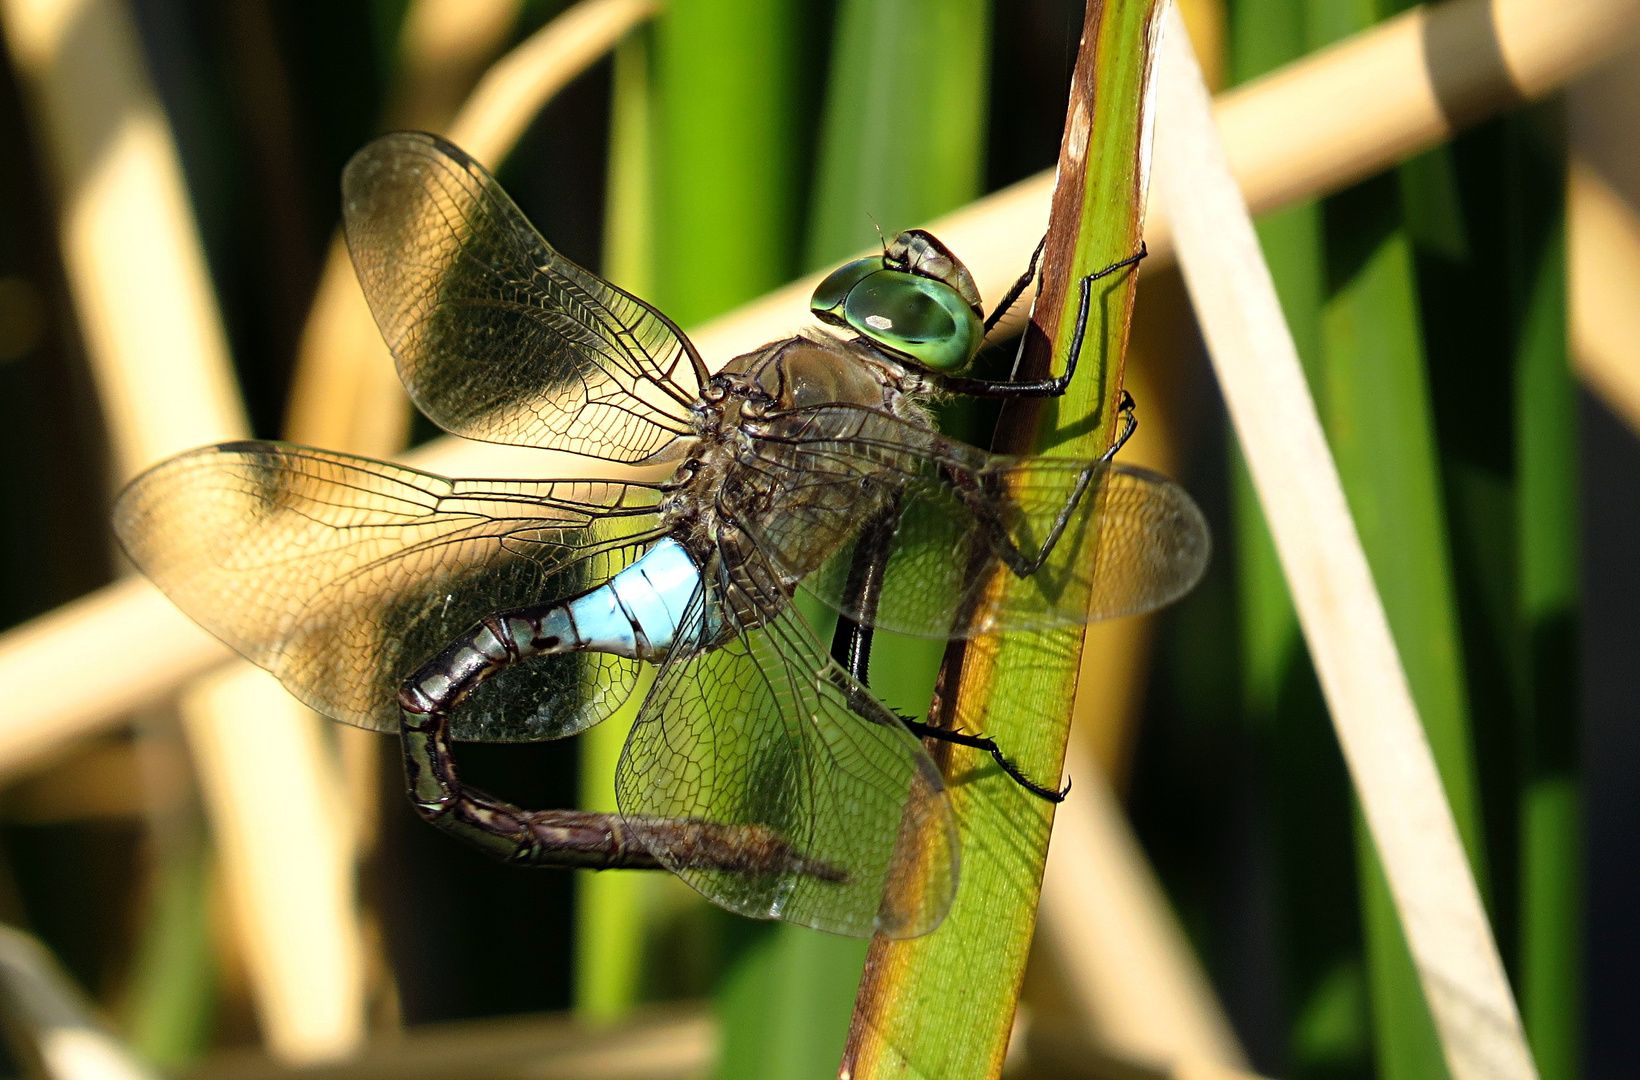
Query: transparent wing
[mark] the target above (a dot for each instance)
(984, 543)
(341, 575)
(497, 336)
(766, 731)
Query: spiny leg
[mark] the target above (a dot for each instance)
(1130, 424)
(969, 489)
(1017, 289)
(851, 642)
(1052, 387)
(568, 838)
(997, 532)
(981, 742)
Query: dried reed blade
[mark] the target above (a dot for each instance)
(136, 268)
(1332, 588)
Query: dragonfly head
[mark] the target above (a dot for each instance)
(916, 300)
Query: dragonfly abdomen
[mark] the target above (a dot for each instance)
(635, 614)
(638, 612)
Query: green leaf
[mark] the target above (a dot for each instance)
(169, 1007)
(903, 139)
(786, 997)
(728, 134)
(943, 1004)
(1547, 530)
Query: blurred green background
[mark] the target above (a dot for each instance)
(724, 150)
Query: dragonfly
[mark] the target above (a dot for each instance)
(760, 767)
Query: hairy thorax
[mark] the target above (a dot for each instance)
(758, 422)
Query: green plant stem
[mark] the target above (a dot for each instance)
(903, 139)
(611, 908)
(905, 82)
(169, 1011)
(1547, 517)
(1353, 293)
(704, 196)
(943, 1004)
(727, 147)
(1376, 407)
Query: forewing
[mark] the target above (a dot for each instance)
(497, 336)
(766, 732)
(341, 575)
(987, 543)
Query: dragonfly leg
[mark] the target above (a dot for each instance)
(1018, 288)
(1130, 424)
(568, 838)
(1004, 544)
(980, 742)
(851, 643)
(997, 533)
(1046, 387)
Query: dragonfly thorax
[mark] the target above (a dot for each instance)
(755, 431)
(802, 372)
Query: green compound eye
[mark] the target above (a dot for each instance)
(831, 293)
(918, 317)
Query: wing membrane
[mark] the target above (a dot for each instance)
(1111, 540)
(767, 731)
(497, 336)
(341, 575)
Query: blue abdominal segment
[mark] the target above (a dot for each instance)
(638, 612)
